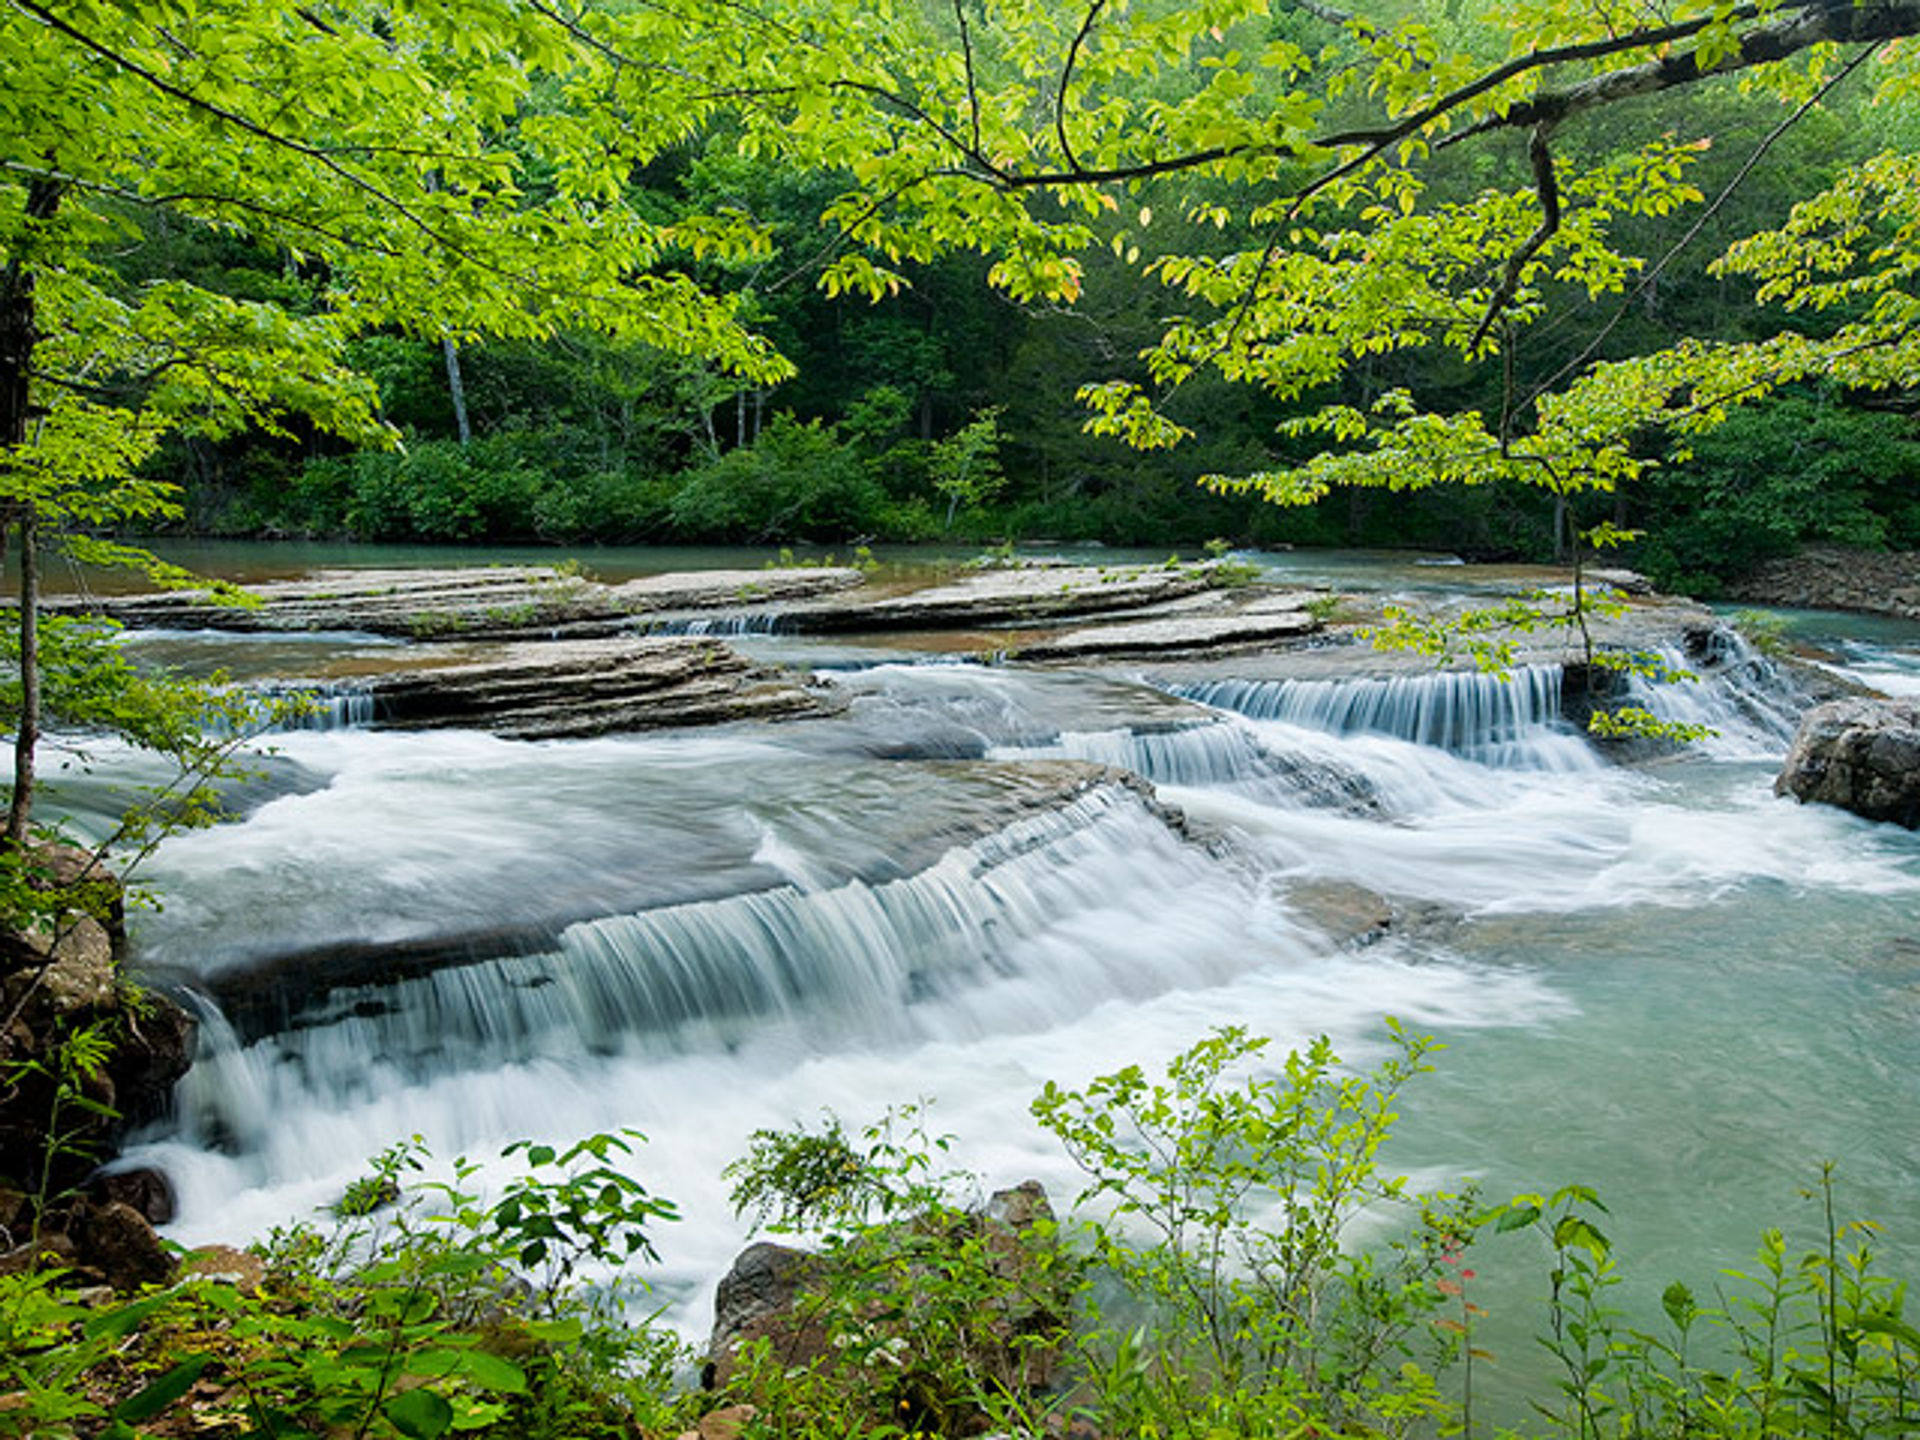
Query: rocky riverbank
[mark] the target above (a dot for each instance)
(1834, 577)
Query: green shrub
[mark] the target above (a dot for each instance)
(441, 1312)
(1794, 470)
(795, 482)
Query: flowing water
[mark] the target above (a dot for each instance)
(1658, 980)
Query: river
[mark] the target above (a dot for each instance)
(1660, 981)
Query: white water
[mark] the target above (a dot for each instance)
(1662, 981)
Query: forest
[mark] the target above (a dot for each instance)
(915, 390)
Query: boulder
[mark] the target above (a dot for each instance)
(758, 1299)
(117, 1241)
(1861, 755)
(1021, 1305)
(144, 1189)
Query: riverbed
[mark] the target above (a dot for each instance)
(1658, 980)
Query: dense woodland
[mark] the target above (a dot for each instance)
(945, 409)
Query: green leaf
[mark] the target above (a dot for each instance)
(162, 1392)
(119, 1323)
(1516, 1217)
(491, 1372)
(420, 1414)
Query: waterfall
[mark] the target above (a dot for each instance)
(1221, 754)
(1023, 926)
(1510, 720)
(1751, 704)
(335, 705)
(723, 623)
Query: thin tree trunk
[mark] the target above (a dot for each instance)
(19, 334)
(458, 389)
(27, 735)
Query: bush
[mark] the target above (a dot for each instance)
(797, 481)
(438, 1312)
(1795, 470)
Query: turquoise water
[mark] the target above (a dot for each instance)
(1662, 982)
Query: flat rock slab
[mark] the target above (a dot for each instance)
(726, 589)
(573, 688)
(1027, 595)
(471, 602)
(1184, 634)
(463, 602)
(1861, 755)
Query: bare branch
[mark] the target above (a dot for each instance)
(1548, 190)
(966, 56)
(1066, 79)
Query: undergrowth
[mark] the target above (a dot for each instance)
(1209, 1283)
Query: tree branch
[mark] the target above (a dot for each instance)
(1066, 79)
(1826, 22)
(1548, 190)
(966, 57)
(1693, 232)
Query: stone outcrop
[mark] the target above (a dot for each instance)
(1266, 622)
(470, 601)
(467, 602)
(730, 589)
(1022, 595)
(1835, 577)
(572, 688)
(1861, 755)
(802, 1307)
(59, 979)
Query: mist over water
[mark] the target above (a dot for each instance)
(1660, 980)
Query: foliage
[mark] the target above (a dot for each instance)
(921, 1314)
(67, 1071)
(1808, 1344)
(1244, 1267)
(1785, 473)
(797, 481)
(1226, 1199)
(407, 1322)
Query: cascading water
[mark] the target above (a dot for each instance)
(1664, 982)
(1512, 719)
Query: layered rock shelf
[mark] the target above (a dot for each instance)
(1023, 595)
(472, 602)
(1833, 577)
(573, 688)
(1267, 620)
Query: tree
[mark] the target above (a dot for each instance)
(1337, 141)
(444, 170)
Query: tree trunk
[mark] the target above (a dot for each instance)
(27, 734)
(19, 333)
(457, 388)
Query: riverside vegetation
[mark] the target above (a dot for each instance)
(1209, 1286)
